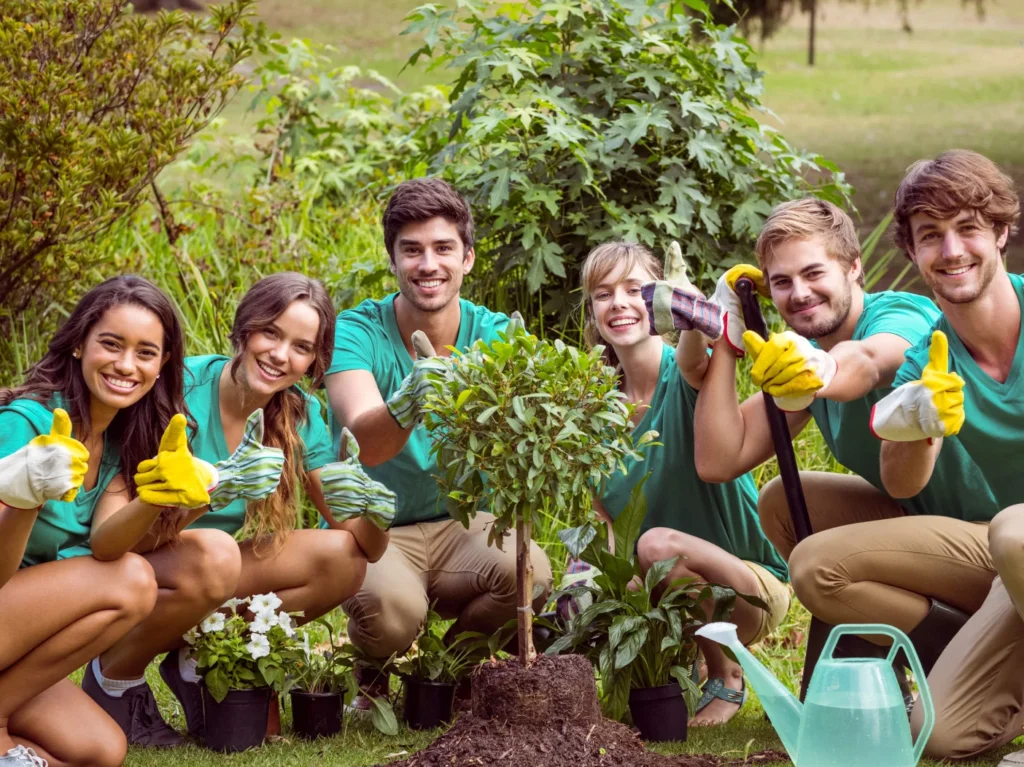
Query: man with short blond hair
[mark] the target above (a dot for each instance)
(961, 383)
(837, 361)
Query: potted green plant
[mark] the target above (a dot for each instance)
(433, 668)
(637, 631)
(242, 661)
(317, 684)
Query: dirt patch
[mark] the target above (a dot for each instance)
(570, 734)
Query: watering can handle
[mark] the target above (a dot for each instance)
(899, 639)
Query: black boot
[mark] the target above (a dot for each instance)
(937, 630)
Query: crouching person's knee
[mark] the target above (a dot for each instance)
(1006, 539)
(816, 575)
(384, 623)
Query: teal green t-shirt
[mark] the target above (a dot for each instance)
(723, 514)
(957, 488)
(993, 432)
(62, 528)
(202, 395)
(367, 338)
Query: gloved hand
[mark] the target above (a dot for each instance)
(175, 478)
(789, 368)
(725, 296)
(350, 493)
(404, 404)
(50, 467)
(674, 304)
(931, 407)
(252, 472)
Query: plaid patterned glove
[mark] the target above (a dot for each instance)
(252, 472)
(404, 404)
(674, 304)
(350, 493)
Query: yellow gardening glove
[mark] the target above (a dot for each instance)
(175, 478)
(50, 467)
(789, 368)
(725, 296)
(928, 408)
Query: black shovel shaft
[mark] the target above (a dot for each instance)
(777, 421)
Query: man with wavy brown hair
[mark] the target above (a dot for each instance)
(954, 216)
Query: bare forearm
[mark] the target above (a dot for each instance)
(371, 539)
(123, 530)
(907, 466)
(379, 436)
(856, 375)
(172, 522)
(718, 421)
(15, 529)
(692, 357)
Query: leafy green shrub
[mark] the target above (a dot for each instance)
(94, 102)
(524, 427)
(433, 659)
(579, 122)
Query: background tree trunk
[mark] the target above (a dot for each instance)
(810, 37)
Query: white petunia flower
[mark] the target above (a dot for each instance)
(191, 636)
(213, 622)
(284, 620)
(262, 602)
(232, 604)
(259, 624)
(258, 647)
(269, 616)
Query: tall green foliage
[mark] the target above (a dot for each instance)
(94, 102)
(580, 122)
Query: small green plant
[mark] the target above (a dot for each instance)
(236, 653)
(525, 427)
(434, 659)
(321, 669)
(636, 630)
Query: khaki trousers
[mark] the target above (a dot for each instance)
(444, 564)
(883, 566)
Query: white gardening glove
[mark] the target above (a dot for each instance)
(50, 467)
(674, 305)
(404, 404)
(725, 296)
(789, 368)
(928, 408)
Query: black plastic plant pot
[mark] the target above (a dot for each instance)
(239, 721)
(428, 704)
(316, 714)
(659, 712)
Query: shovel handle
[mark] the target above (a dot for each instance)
(788, 468)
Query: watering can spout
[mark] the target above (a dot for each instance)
(779, 703)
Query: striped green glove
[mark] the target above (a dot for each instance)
(350, 493)
(253, 471)
(404, 404)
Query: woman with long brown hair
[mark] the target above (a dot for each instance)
(283, 332)
(112, 378)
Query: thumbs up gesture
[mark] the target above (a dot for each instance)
(674, 305)
(931, 407)
(349, 491)
(175, 478)
(252, 472)
(404, 404)
(50, 467)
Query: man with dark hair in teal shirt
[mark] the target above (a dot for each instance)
(374, 385)
(962, 383)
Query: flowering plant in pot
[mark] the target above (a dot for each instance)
(242, 660)
(434, 667)
(637, 631)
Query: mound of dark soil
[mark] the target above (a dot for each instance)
(548, 716)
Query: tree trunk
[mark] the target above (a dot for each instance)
(524, 591)
(813, 31)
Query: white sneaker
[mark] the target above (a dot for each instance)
(1016, 759)
(19, 756)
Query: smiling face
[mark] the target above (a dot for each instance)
(430, 261)
(619, 311)
(278, 355)
(122, 356)
(812, 290)
(958, 257)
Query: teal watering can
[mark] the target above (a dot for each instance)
(853, 714)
